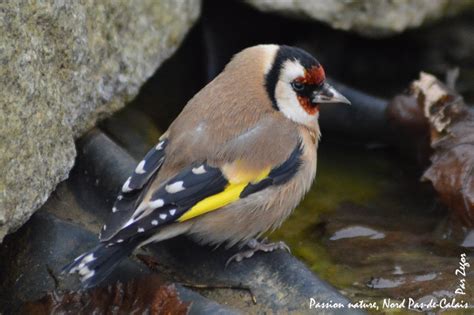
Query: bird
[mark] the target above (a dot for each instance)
(233, 164)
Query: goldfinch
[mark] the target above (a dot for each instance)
(233, 165)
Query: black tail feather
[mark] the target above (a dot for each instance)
(95, 265)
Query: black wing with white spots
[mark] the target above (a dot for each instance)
(192, 185)
(172, 200)
(133, 190)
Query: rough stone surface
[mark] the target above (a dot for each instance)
(65, 65)
(367, 17)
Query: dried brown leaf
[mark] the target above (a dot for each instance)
(450, 124)
(142, 296)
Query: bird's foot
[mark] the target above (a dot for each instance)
(256, 246)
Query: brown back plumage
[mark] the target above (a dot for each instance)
(231, 119)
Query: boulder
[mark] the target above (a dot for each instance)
(64, 66)
(367, 17)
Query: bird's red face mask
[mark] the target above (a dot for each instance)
(312, 79)
(312, 90)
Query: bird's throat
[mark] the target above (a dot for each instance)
(308, 107)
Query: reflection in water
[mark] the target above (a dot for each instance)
(381, 283)
(357, 231)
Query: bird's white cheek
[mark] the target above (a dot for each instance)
(290, 106)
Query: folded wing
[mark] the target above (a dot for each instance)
(199, 189)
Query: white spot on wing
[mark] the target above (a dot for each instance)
(126, 187)
(119, 240)
(172, 211)
(143, 210)
(120, 197)
(88, 258)
(140, 167)
(88, 275)
(199, 170)
(163, 216)
(156, 203)
(154, 222)
(159, 146)
(84, 271)
(114, 209)
(105, 227)
(141, 230)
(175, 187)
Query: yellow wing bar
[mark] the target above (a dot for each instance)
(230, 194)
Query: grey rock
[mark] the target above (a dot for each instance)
(367, 17)
(64, 66)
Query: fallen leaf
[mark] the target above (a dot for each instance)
(138, 296)
(432, 108)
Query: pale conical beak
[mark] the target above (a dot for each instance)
(328, 94)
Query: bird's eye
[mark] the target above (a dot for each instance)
(297, 86)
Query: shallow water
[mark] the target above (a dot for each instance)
(371, 229)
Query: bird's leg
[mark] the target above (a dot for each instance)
(254, 246)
